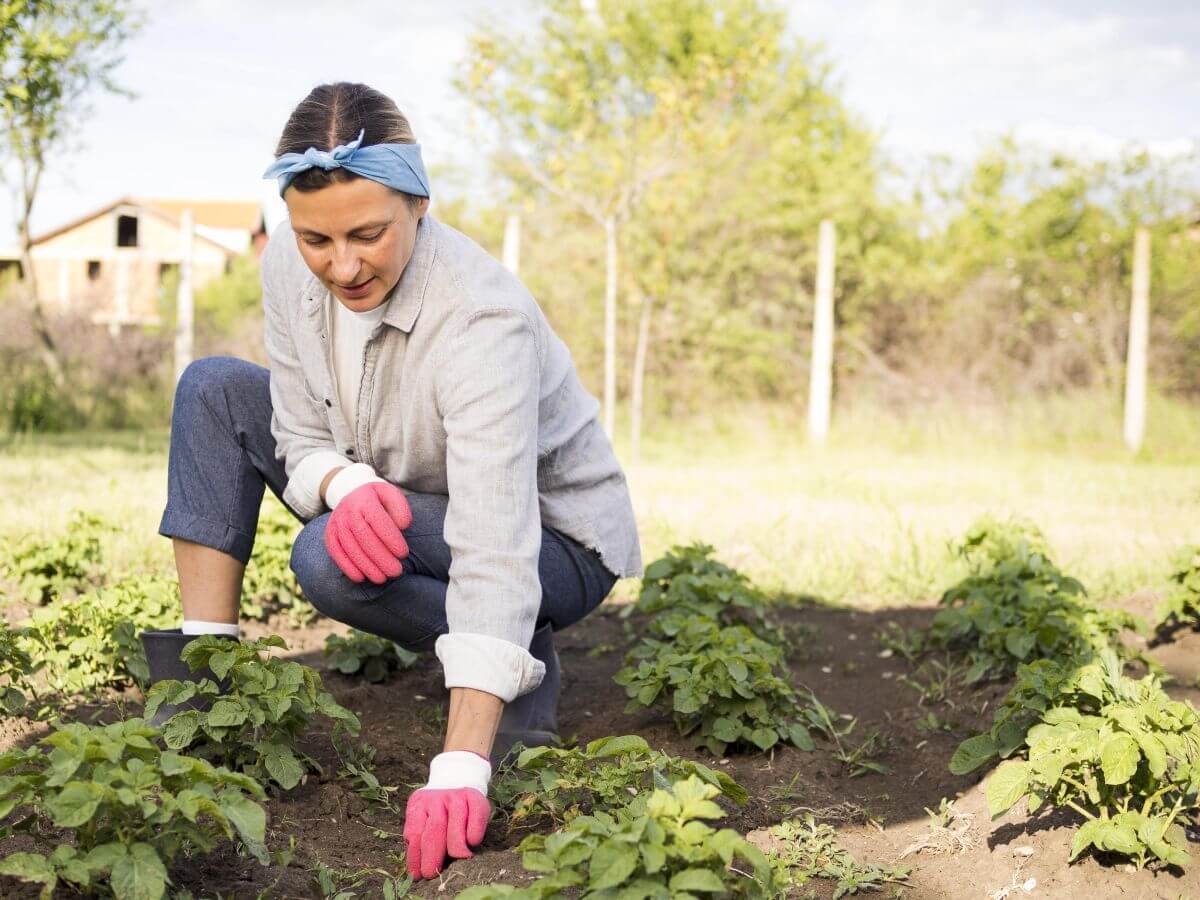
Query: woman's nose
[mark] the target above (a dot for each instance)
(345, 266)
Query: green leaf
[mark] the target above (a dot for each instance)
(283, 767)
(249, 820)
(1118, 838)
(764, 738)
(1085, 837)
(653, 858)
(180, 729)
(226, 713)
(972, 753)
(75, 804)
(140, 875)
(611, 864)
(697, 880)
(29, 867)
(800, 737)
(1006, 786)
(1119, 757)
(616, 746)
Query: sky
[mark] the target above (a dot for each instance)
(215, 80)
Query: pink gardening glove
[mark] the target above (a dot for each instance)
(363, 532)
(449, 814)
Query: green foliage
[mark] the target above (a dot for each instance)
(606, 774)
(252, 726)
(1016, 606)
(687, 583)
(17, 669)
(129, 808)
(1130, 769)
(1181, 607)
(1084, 684)
(801, 851)
(372, 656)
(91, 640)
(658, 847)
(269, 585)
(66, 562)
(723, 684)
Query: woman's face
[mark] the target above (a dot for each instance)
(356, 236)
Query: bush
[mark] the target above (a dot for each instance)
(1181, 607)
(253, 726)
(660, 847)
(607, 774)
(372, 656)
(723, 685)
(92, 640)
(1016, 606)
(67, 562)
(128, 807)
(17, 669)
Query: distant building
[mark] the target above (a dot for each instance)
(113, 262)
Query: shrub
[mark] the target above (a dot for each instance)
(129, 809)
(660, 847)
(723, 684)
(374, 657)
(609, 773)
(1131, 770)
(1181, 607)
(91, 641)
(17, 669)
(253, 726)
(63, 563)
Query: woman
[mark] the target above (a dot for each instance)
(417, 393)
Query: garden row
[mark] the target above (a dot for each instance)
(1075, 732)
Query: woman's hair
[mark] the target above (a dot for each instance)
(334, 114)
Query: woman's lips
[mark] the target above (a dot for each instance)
(359, 290)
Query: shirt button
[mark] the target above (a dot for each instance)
(350, 451)
(327, 403)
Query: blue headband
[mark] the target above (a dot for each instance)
(398, 166)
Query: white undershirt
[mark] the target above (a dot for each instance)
(348, 333)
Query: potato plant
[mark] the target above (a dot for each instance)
(17, 670)
(90, 641)
(252, 726)
(687, 582)
(128, 808)
(1016, 606)
(609, 773)
(1130, 770)
(1181, 607)
(724, 686)
(67, 562)
(660, 847)
(373, 657)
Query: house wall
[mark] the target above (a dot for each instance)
(130, 279)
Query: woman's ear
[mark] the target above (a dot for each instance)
(422, 207)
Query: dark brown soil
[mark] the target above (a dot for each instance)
(835, 652)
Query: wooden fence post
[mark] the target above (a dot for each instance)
(821, 380)
(1137, 359)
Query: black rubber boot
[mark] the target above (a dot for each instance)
(532, 718)
(162, 655)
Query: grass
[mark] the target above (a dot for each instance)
(866, 521)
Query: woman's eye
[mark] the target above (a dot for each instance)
(372, 238)
(314, 242)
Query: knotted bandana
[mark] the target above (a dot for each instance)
(398, 166)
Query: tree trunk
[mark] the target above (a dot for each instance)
(48, 350)
(610, 325)
(639, 375)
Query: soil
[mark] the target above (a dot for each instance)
(835, 652)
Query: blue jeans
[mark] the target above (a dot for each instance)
(223, 455)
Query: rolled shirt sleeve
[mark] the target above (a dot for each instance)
(487, 391)
(300, 429)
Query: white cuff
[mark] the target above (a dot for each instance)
(309, 473)
(348, 480)
(459, 769)
(488, 664)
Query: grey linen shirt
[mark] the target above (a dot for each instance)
(466, 392)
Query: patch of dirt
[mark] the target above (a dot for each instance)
(835, 653)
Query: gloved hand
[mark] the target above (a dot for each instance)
(449, 814)
(363, 534)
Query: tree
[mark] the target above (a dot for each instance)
(53, 55)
